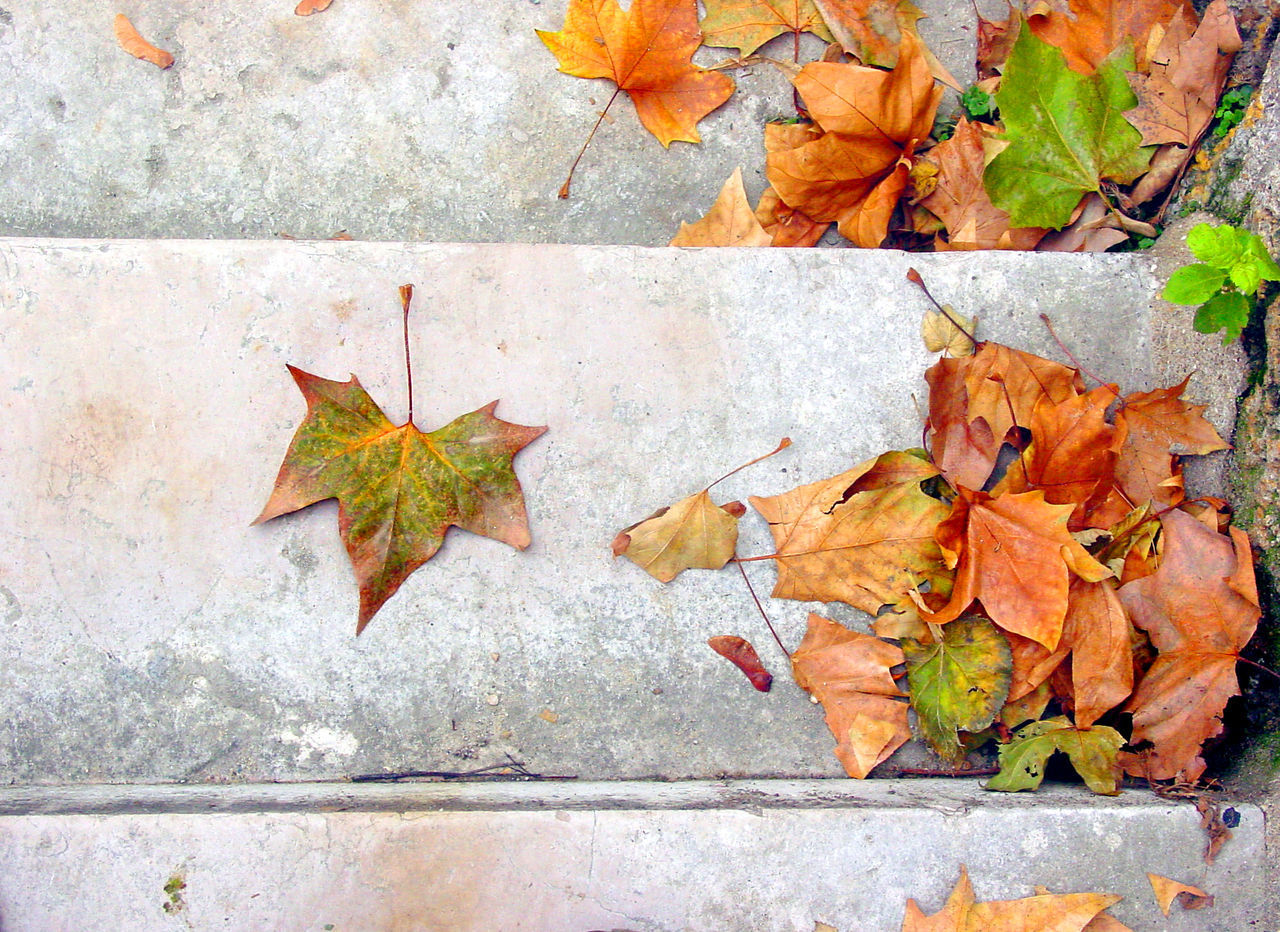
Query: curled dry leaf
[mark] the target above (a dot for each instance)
(132, 42)
(1045, 912)
(848, 672)
(1188, 897)
(730, 222)
(307, 7)
(742, 655)
(694, 533)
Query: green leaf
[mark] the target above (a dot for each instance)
(1193, 284)
(1227, 310)
(1256, 249)
(1246, 276)
(399, 489)
(959, 683)
(1066, 131)
(1092, 753)
(1220, 246)
(977, 102)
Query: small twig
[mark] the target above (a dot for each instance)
(752, 590)
(1070, 355)
(786, 442)
(926, 772)
(564, 188)
(515, 770)
(1254, 663)
(406, 298)
(914, 277)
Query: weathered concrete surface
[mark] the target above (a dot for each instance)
(424, 120)
(649, 858)
(152, 635)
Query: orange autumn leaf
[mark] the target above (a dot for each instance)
(872, 31)
(1045, 912)
(1100, 637)
(960, 199)
(1089, 30)
(1155, 425)
(1188, 897)
(307, 7)
(742, 655)
(1014, 554)
(132, 42)
(785, 225)
(1033, 664)
(1200, 608)
(1177, 99)
(729, 222)
(872, 120)
(848, 672)
(866, 547)
(647, 51)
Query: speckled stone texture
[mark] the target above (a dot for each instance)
(153, 635)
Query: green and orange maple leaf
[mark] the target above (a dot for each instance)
(399, 489)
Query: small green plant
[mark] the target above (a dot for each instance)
(1233, 265)
(1231, 107)
(977, 103)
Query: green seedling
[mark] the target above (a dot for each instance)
(1233, 265)
(1231, 108)
(977, 103)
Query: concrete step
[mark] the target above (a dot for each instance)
(155, 636)
(771, 856)
(431, 120)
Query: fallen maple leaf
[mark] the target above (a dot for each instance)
(742, 655)
(1099, 635)
(1013, 553)
(1200, 608)
(399, 489)
(865, 547)
(1092, 753)
(1155, 425)
(730, 222)
(785, 225)
(1046, 912)
(647, 51)
(1188, 897)
(1066, 134)
(872, 30)
(746, 25)
(960, 200)
(1087, 31)
(958, 683)
(848, 672)
(1177, 99)
(872, 121)
(995, 41)
(132, 42)
(307, 7)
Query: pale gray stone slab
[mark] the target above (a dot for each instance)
(153, 635)
(426, 120)
(738, 857)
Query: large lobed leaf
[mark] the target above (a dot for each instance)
(746, 25)
(399, 489)
(1066, 133)
(1045, 912)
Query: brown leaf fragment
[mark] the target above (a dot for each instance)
(1187, 896)
(1093, 228)
(1166, 165)
(1211, 823)
(730, 222)
(995, 41)
(1099, 635)
(307, 7)
(694, 533)
(132, 42)
(1177, 99)
(742, 655)
(848, 672)
(1154, 426)
(1199, 609)
(785, 225)
(960, 198)
(1045, 912)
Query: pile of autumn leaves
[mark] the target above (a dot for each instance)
(1039, 573)
(1100, 106)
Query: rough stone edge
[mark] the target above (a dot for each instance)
(949, 794)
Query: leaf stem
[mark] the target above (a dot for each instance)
(1070, 355)
(756, 598)
(1252, 663)
(786, 442)
(564, 188)
(914, 277)
(406, 298)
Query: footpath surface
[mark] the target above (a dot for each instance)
(166, 664)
